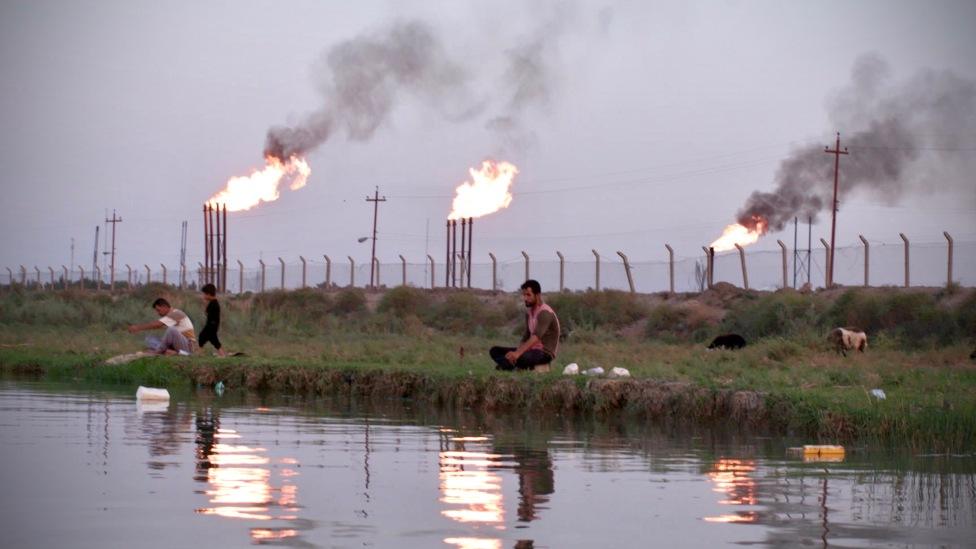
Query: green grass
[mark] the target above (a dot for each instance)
(409, 342)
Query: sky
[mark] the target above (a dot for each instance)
(633, 124)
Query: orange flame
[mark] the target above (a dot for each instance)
(486, 193)
(243, 193)
(740, 234)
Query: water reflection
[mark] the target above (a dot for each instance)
(733, 478)
(470, 470)
(471, 492)
(240, 480)
(532, 464)
(442, 478)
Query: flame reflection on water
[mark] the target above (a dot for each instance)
(240, 486)
(733, 478)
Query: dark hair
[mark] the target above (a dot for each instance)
(209, 289)
(532, 284)
(159, 302)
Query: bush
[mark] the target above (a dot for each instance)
(349, 301)
(780, 314)
(403, 301)
(296, 306)
(913, 319)
(666, 322)
(966, 316)
(592, 309)
(464, 312)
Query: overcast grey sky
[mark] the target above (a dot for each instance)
(639, 123)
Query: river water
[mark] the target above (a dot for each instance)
(90, 467)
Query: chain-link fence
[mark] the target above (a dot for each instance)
(879, 264)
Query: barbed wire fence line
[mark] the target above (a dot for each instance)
(903, 264)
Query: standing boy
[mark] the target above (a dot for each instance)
(209, 332)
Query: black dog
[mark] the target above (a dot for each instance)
(728, 341)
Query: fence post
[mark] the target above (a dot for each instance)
(10, 275)
(261, 263)
(827, 262)
(867, 254)
(949, 278)
(304, 270)
(201, 272)
(282, 261)
(164, 273)
(148, 274)
(905, 238)
(240, 277)
(630, 279)
(526, 256)
(98, 277)
(597, 255)
(23, 276)
(328, 271)
(494, 272)
(352, 272)
(65, 281)
(81, 281)
(129, 278)
(562, 270)
(38, 271)
(376, 265)
(431, 259)
(742, 259)
(783, 247)
(708, 268)
(670, 266)
(403, 262)
(52, 277)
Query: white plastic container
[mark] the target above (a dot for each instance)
(571, 369)
(151, 393)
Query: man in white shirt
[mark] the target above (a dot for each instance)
(179, 336)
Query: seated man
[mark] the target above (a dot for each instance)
(179, 335)
(541, 337)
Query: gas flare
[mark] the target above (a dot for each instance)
(487, 192)
(740, 234)
(243, 193)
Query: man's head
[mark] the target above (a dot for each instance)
(531, 293)
(209, 290)
(162, 307)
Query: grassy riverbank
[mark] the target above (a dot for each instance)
(408, 344)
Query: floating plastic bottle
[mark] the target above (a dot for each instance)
(151, 393)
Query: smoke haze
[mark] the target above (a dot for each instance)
(362, 79)
(895, 133)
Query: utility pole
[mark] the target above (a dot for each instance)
(115, 219)
(833, 212)
(376, 206)
(183, 228)
(95, 254)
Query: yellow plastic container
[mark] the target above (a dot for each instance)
(823, 452)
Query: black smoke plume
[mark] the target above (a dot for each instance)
(890, 132)
(362, 79)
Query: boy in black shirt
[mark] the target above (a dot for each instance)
(209, 332)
